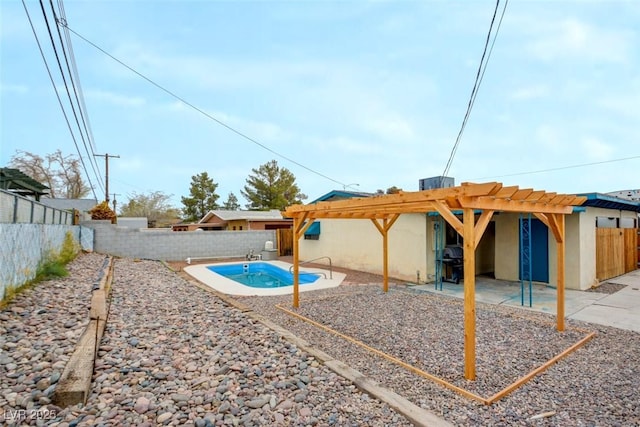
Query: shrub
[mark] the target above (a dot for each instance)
(103, 211)
(69, 250)
(51, 270)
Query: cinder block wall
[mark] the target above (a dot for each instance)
(167, 245)
(25, 246)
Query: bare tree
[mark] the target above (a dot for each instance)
(62, 174)
(154, 206)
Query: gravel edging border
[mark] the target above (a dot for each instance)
(493, 398)
(418, 416)
(74, 385)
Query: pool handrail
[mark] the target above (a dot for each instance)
(316, 259)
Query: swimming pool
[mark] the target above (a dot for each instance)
(261, 275)
(217, 276)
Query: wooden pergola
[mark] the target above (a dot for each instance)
(384, 210)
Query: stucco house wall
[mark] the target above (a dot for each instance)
(580, 247)
(357, 244)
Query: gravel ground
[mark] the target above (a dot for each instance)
(607, 288)
(172, 354)
(597, 385)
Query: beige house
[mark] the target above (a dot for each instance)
(238, 221)
(601, 242)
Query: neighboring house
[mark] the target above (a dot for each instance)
(19, 183)
(626, 194)
(600, 243)
(238, 221)
(81, 205)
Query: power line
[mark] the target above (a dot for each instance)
(493, 43)
(478, 81)
(581, 165)
(204, 113)
(57, 95)
(89, 149)
(77, 87)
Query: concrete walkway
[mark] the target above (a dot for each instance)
(620, 309)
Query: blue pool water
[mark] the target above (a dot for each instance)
(260, 275)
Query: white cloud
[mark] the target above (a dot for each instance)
(261, 131)
(11, 88)
(129, 164)
(343, 145)
(114, 98)
(625, 104)
(548, 137)
(596, 149)
(571, 38)
(394, 129)
(530, 92)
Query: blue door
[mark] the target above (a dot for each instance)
(534, 250)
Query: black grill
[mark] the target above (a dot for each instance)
(452, 259)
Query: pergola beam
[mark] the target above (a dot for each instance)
(448, 216)
(543, 218)
(465, 190)
(491, 203)
(481, 225)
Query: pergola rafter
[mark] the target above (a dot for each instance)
(485, 198)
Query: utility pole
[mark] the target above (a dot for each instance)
(115, 202)
(106, 168)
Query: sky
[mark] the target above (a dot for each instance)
(345, 94)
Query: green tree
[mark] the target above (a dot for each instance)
(271, 187)
(154, 206)
(202, 197)
(62, 174)
(393, 190)
(390, 190)
(232, 203)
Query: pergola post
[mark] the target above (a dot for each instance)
(556, 223)
(468, 220)
(384, 230)
(560, 248)
(296, 256)
(299, 227)
(385, 257)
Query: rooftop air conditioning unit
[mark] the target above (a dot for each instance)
(436, 182)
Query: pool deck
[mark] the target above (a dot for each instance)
(222, 284)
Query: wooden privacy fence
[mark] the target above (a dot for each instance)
(616, 251)
(285, 241)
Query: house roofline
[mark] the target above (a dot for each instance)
(606, 201)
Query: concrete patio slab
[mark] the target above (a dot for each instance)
(620, 309)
